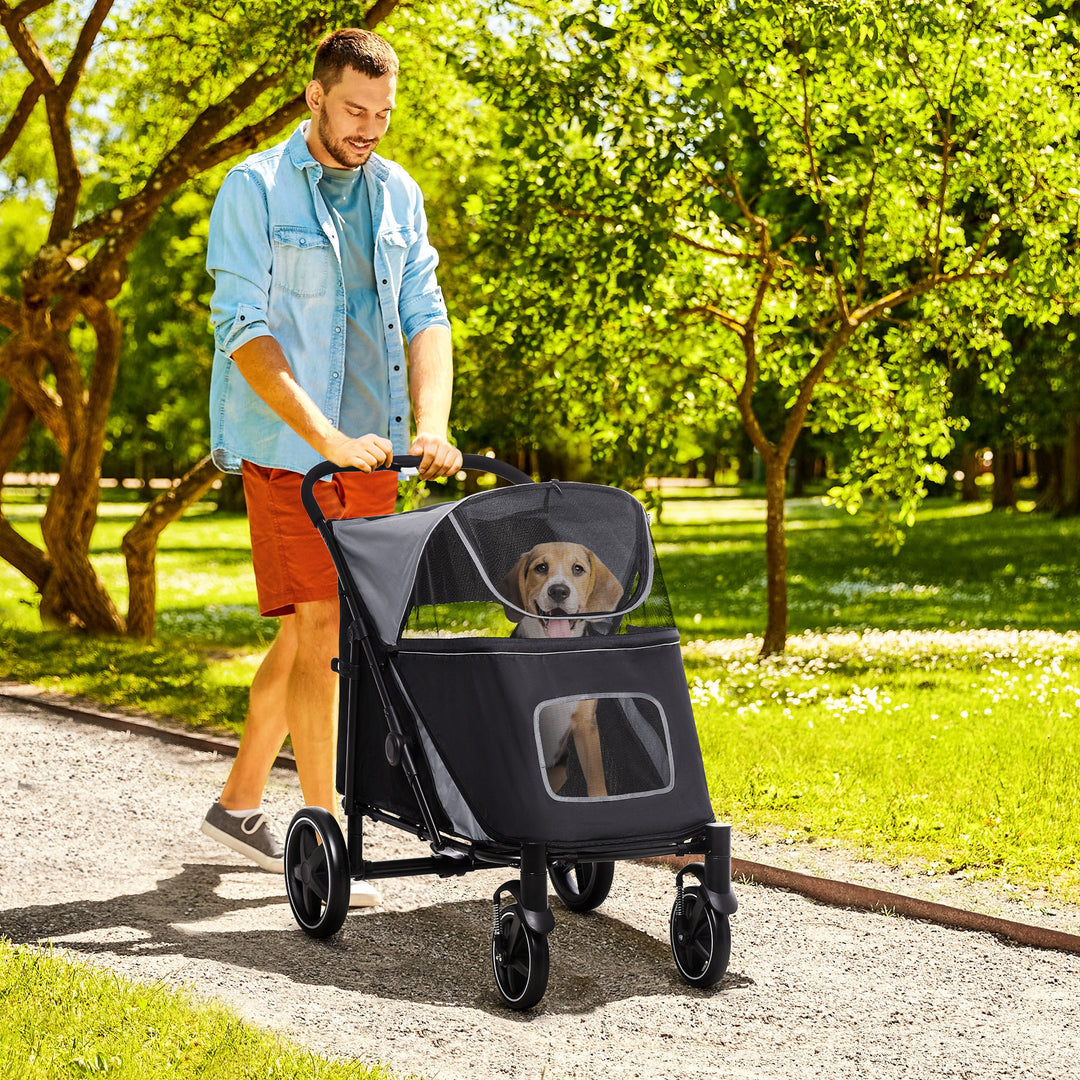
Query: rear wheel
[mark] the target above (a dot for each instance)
(581, 886)
(520, 959)
(317, 878)
(700, 939)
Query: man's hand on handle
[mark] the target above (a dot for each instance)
(439, 457)
(366, 453)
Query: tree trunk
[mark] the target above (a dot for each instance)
(969, 466)
(1005, 477)
(74, 595)
(1070, 471)
(140, 544)
(776, 625)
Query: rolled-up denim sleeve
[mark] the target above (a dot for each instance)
(239, 258)
(421, 302)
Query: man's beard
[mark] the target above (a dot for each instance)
(348, 157)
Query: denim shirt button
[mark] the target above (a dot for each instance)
(337, 329)
(334, 375)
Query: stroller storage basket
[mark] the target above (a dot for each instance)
(512, 692)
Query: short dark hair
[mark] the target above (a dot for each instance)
(361, 50)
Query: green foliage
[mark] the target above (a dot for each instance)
(159, 424)
(696, 199)
(60, 1019)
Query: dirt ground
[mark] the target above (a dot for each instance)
(101, 855)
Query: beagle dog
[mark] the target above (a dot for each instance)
(557, 583)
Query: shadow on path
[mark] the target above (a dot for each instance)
(438, 954)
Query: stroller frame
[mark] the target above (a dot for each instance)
(320, 866)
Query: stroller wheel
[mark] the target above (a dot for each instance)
(519, 958)
(317, 872)
(581, 886)
(700, 939)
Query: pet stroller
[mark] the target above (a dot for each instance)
(485, 745)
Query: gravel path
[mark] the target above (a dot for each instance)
(102, 855)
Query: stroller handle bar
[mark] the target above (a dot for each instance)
(469, 462)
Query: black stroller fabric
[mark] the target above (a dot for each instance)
(587, 742)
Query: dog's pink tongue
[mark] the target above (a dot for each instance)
(558, 628)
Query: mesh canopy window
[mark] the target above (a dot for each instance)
(540, 560)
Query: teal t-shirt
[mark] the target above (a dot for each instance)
(365, 398)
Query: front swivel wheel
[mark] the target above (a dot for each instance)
(520, 960)
(317, 878)
(700, 939)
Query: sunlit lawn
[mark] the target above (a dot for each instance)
(928, 706)
(98, 1024)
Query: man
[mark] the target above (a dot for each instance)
(321, 264)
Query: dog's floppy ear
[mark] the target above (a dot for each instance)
(606, 591)
(512, 587)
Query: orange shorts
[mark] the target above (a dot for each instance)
(292, 565)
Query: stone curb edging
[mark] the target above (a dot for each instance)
(848, 895)
(824, 890)
(138, 725)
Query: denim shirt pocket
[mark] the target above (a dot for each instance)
(394, 246)
(303, 260)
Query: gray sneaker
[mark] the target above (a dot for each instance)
(255, 836)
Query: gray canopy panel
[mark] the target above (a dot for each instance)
(382, 555)
(467, 550)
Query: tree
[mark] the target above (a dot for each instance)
(822, 198)
(132, 101)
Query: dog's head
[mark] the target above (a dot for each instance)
(560, 581)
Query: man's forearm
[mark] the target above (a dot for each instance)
(263, 364)
(431, 380)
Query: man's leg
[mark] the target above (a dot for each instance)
(267, 723)
(292, 694)
(310, 699)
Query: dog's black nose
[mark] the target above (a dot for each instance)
(558, 593)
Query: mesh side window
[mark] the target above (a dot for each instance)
(538, 561)
(613, 746)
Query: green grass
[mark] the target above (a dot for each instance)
(961, 566)
(957, 750)
(928, 708)
(100, 1025)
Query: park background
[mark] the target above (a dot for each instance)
(801, 276)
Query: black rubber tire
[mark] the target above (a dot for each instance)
(520, 960)
(700, 939)
(581, 886)
(317, 878)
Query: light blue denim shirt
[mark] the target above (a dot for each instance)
(274, 255)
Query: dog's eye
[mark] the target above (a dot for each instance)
(578, 569)
(541, 568)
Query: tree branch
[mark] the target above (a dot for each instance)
(27, 48)
(249, 137)
(9, 313)
(796, 418)
(87, 37)
(22, 369)
(680, 238)
(27, 8)
(128, 218)
(379, 11)
(17, 121)
(725, 318)
(140, 544)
